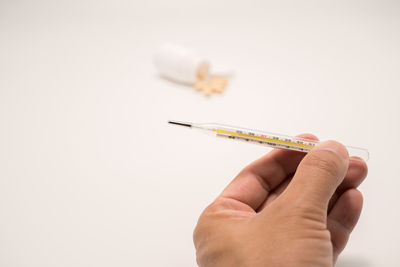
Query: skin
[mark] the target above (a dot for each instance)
(284, 209)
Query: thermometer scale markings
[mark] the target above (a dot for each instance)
(287, 142)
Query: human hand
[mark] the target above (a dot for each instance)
(284, 209)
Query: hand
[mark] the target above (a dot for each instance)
(284, 209)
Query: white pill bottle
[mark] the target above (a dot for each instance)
(181, 64)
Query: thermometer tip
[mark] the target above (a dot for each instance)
(180, 123)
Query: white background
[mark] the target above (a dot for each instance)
(92, 175)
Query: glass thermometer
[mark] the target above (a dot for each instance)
(265, 138)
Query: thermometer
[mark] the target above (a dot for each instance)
(267, 139)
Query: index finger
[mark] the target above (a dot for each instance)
(253, 184)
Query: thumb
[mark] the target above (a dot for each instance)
(319, 174)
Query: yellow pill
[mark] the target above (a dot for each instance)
(200, 85)
(202, 71)
(207, 90)
(218, 83)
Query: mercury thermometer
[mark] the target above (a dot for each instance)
(267, 139)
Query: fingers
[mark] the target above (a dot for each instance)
(356, 174)
(343, 218)
(253, 184)
(318, 175)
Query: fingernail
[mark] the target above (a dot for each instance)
(334, 147)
